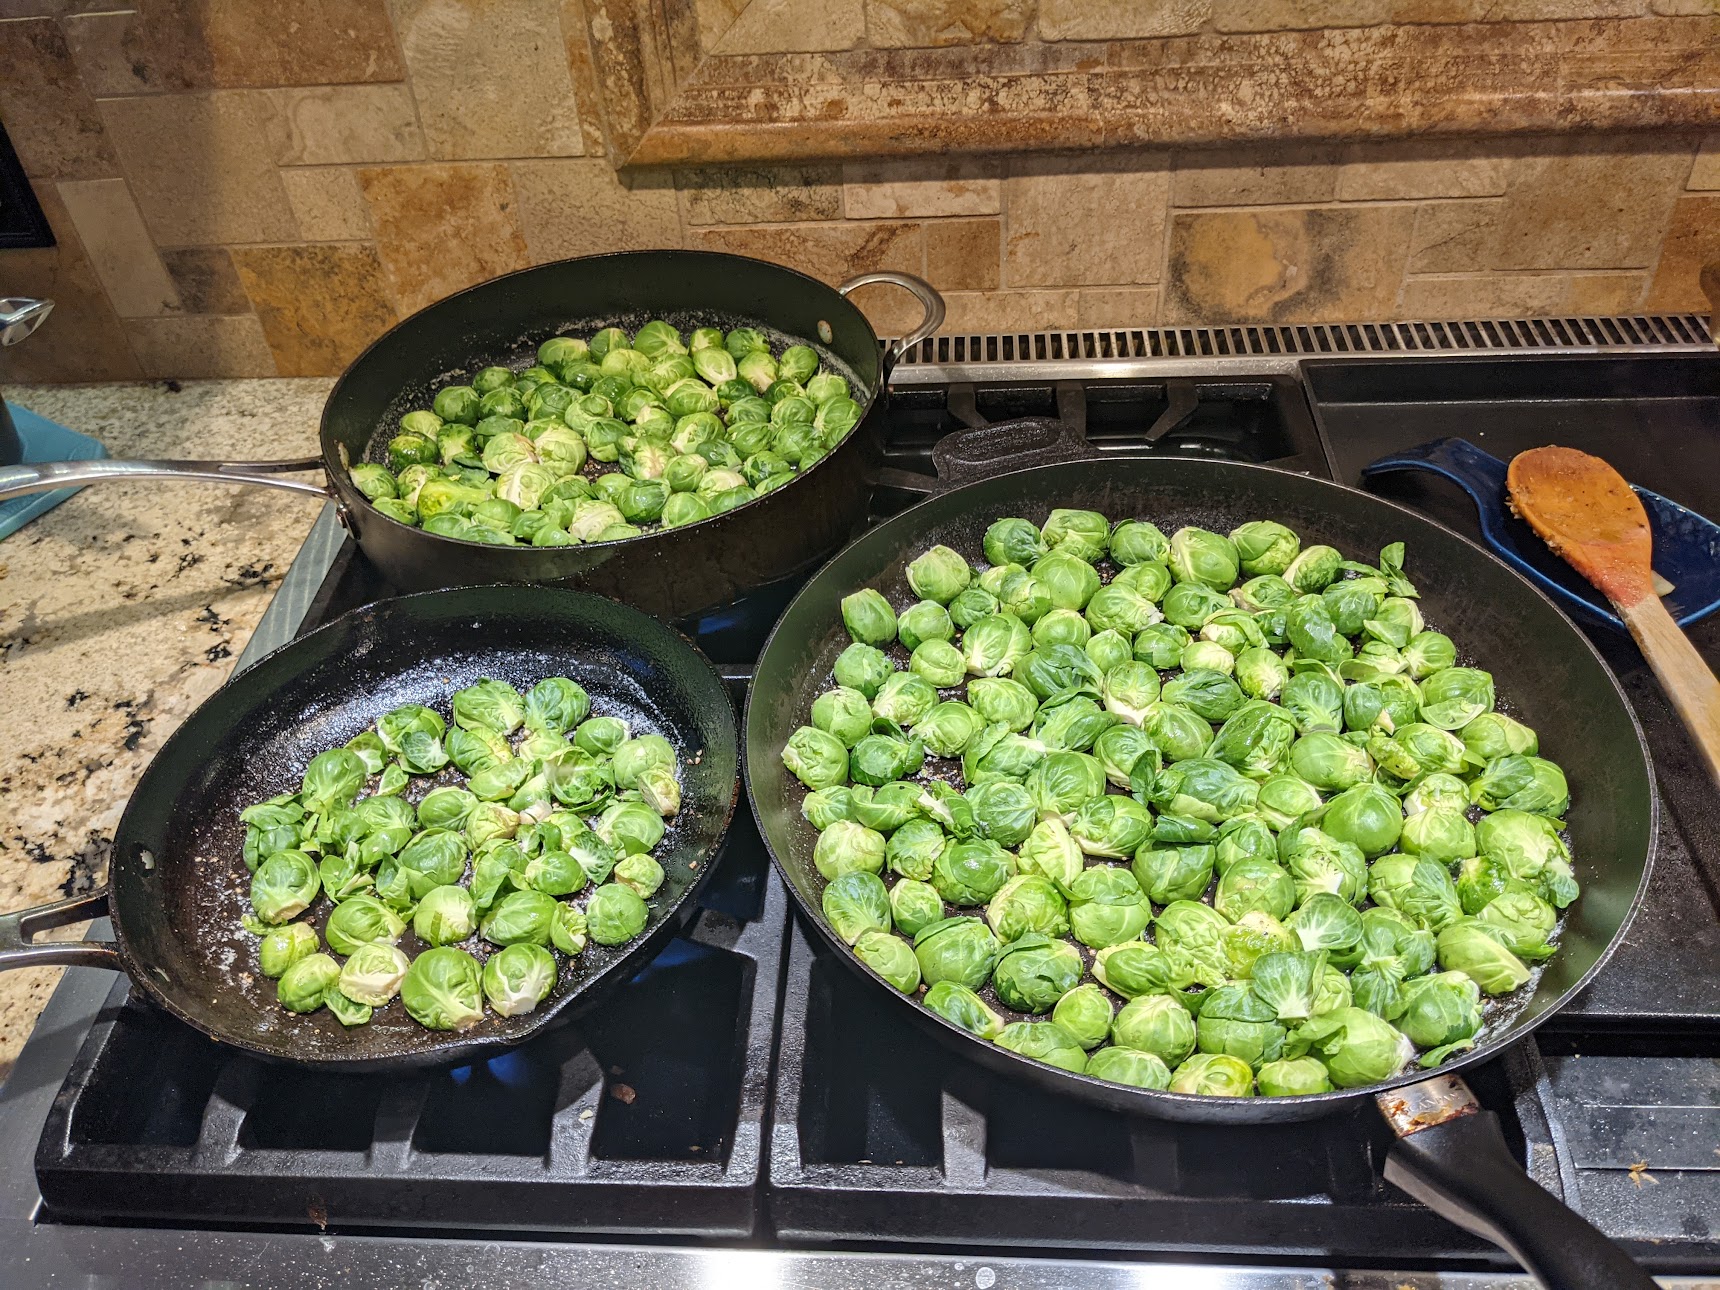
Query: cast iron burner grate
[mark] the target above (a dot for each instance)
(775, 1099)
(645, 1117)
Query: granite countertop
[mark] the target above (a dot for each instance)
(120, 611)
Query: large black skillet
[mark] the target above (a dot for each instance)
(1450, 1153)
(177, 885)
(670, 573)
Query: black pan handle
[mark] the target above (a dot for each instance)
(18, 949)
(923, 291)
(1451, 1156)
(19, 481)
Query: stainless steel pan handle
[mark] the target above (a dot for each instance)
(19, 950)
(1451, 1156)
(922, 290)
(17, 481)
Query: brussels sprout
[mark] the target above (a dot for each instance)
(825, 806)
(890, 957)
(1493, 735)
(1069, 581)
(614, 915)
(1236, 1022)
(1455, 696)
(1290, 983)
(375, 482)
(1176, 732)
(1254, 884)
(855, 902)
(1174, 873)
(1352, 602)
(1191, 605)
(1260, 672)
(1480, 880)
(1420, 889)
(886, 808)
(1521, 921)
(1196, 932)
(1327, 921)
(869, 618)
(332, 780)
(1027, 903)
(972, 605)
(519, 917)
(1520, 783)
(303, 985)
(1427, 654)
(926, 621)
(1293, 1077)
(1044, 1041)
(1314, 569)
(1327, 761)
(947, 728)
(1198, 556)
(1255, 738)
(1122, 609)
(283, 886)
(960, 1006)
(441, 990)
(1084, 1014)
(939, 575)
(1085, 534)
(1107, 907)
(1264, 547)
(904, 699)
(373, 974)
(815, 758)
(1209, 694)
(518, 978)
(1135, 542)
(1004, 811)
(1531, 850)
(1155, 1024)
(1204, 788)
(1440, 1009)
(1477, 950)
(1111, 826)
(1152, 580)
(844, 713)
(1319, 862)
(1442, 833)
(282, 947)
(959, 950)
(1034, 972)
(1121, 749)
(1255, 934)
(1161, 645)
(405, 450)
(995, 645)
(1063, 781)
(845, 847)
(879, 758)
(1071, 722)
(971, 872)
(1013, 541)
(798, 363)
(1213, 1075)
(1061, 627)
(1003, 701)
(1051, 853)
(915, 905)
(1356, 1047)
(1367, 817)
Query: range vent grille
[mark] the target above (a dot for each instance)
(1532, 335)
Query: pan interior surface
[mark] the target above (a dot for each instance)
(177, 909)
(1547, 673)
(503, 321)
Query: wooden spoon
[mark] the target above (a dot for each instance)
(1590, 517)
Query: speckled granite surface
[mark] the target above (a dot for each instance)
(120, 611)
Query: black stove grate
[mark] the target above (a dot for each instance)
(746, 1086)
(645, 1117)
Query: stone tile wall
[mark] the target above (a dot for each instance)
(249, 189)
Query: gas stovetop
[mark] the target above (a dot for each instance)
(748, 1109)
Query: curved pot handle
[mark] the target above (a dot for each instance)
(46, 477)
(922, 290)
(18, 950)
(1451, 1156)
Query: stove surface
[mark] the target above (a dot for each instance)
(746, 1088)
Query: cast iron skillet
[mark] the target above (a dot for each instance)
(1451, 1154)
(670, 573)
(177, 885)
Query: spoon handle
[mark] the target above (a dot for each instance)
(1683, 673)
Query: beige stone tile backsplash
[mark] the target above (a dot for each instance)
(242, 189)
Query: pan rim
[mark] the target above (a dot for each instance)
(337, 470)
(453, 1050)
(1104, 1092)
